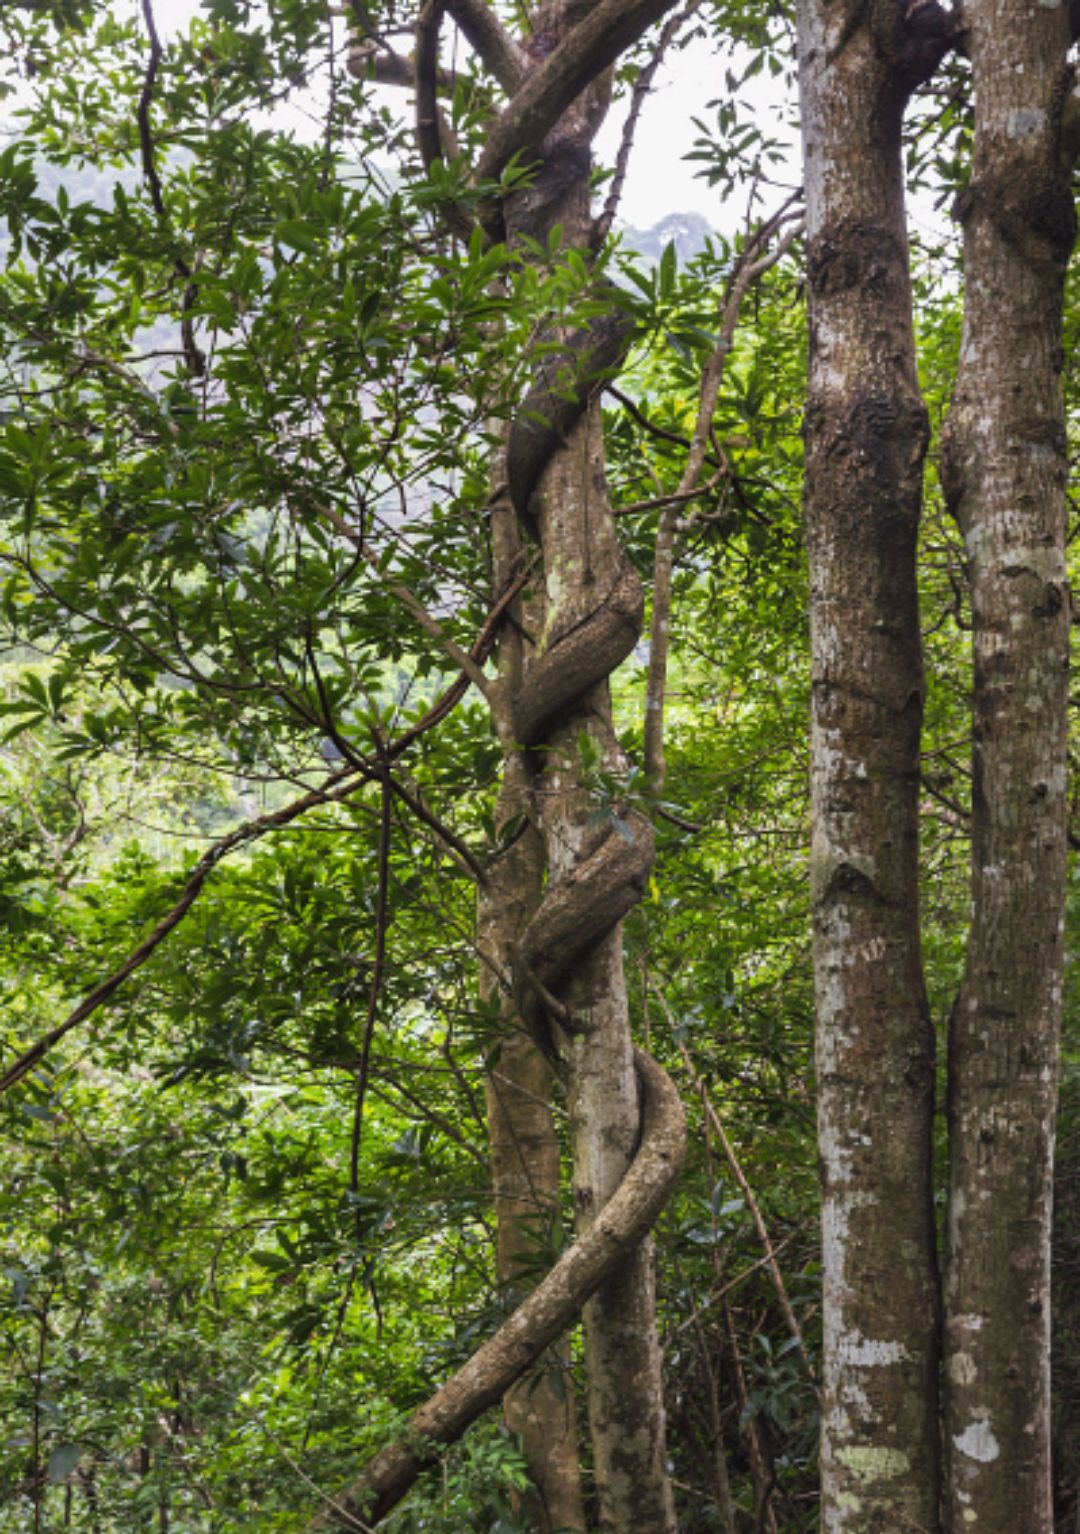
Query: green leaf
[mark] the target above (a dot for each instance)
(297, 235)
(272, 1260)
(668, 261)
(62, 1461)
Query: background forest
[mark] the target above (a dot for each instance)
(251, 388)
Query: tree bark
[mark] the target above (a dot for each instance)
(866, 434)
(595, 873)
(625, 1388)
(525, 1155)
(1004, 471)
(565, 951)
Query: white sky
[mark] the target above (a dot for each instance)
(660, 181)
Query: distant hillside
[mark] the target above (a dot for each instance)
(689, 231)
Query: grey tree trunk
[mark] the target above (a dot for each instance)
(866, 435)
(1004, 472)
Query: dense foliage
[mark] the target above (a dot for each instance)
(248, 395)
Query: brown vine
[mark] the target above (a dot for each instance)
(577, 912)
(538, 1320)
(582, 908)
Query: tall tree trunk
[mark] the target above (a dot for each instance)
(626, 1410)
(551, 913)
(521, 1128)
(587, 579)
(866, 434)
(1004, 472)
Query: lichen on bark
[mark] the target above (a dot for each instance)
(866, 435)
(1003, 468)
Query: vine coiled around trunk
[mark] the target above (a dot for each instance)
(565, 385)
(581, 909)
(538, 1321)
(577, 911)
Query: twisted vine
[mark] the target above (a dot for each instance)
(538, 1321)
(579, 910)
(584, 907)
(575, 913)
(565, 384)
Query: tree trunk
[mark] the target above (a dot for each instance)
(521, 1128)
(1004, 472)
(539, 1408)
(866, 434)
(551, 911)
(626, 1411)
(602, 866)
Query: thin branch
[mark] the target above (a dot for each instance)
(334, 788)
(378, 966)
(550, 1003)
(755, 1212)
(432, 625)
(371, 60)
(634, 410)
(962, 816)
(372, 57)
(716, 1429)
(346, 1516)
(379, 1088)
(142, 115)
(434, 136)
(670, 816)
(460, 850)
(677, 498)
(725, 1289)
(193, 355)
(761, 1470)
(642, 87)
(750, 266)
(426, 63)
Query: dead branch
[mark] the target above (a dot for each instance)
(790, 1319)
(642, 86)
